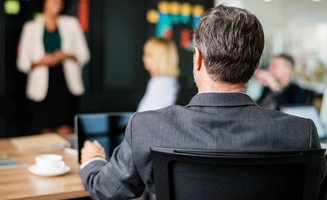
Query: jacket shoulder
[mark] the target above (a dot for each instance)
(32, 23)
(68, 19)
(152, 115)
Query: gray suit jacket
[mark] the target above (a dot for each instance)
(219, 121)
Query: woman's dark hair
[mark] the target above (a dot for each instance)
(37, 5)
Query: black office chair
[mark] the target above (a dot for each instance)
(181, 174)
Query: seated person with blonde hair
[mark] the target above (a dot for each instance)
(160, 59)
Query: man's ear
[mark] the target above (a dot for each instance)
(197, 59)
(259, 63)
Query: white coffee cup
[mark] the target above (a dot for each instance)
(49, 163)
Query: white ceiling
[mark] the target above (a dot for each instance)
(283, 10)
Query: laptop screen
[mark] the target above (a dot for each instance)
(107, 128)
(323, 111)
(306, 111)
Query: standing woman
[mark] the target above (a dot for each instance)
(52, 52)
(160, 59)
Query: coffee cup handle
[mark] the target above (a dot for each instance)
(61, 166)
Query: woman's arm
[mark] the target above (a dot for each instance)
(60, 56)
(47, 60)
(24, 60)
(82, 53)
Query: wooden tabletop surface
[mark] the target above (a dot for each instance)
(18, 183)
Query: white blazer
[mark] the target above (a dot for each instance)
(31, 49)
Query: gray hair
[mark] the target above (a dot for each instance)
(231, 41)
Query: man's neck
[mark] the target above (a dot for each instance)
(221, 87)
(206, 83)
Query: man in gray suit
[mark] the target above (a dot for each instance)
(228, 46)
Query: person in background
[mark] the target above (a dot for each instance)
(228, 44)
(278, 87)
(160, 59)
(52, 52)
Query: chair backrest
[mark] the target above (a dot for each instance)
(107, 128)
(181, 174)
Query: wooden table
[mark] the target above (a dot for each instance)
(18, 183)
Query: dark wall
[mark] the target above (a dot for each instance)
(117, 80)
(13, 104)
(2, 70)
(116, 76)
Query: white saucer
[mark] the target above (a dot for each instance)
(35, 170)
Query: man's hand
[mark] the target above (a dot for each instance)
(91, 150)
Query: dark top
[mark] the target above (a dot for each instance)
(52, 43)
(292, 94)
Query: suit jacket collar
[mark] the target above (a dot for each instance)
(215, 99)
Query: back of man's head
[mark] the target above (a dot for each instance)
(231, 41)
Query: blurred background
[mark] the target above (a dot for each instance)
(296, 27)
(115, 79)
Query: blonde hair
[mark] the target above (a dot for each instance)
(163, 55)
